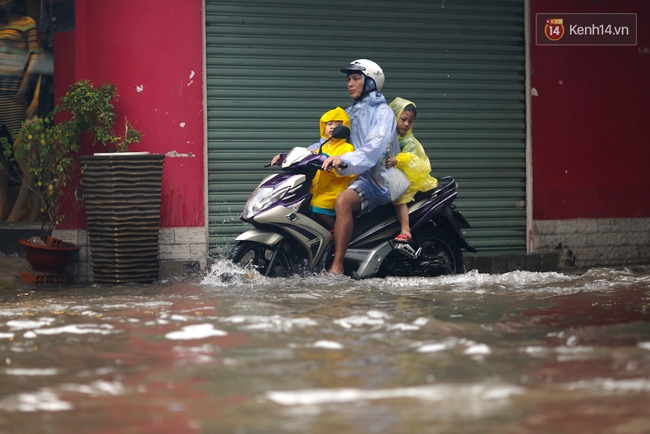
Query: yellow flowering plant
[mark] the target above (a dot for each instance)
(45, 153)
(44, 150)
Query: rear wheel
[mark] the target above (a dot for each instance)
(441, 253)
(258, 256)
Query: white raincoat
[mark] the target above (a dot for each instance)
(374, 139)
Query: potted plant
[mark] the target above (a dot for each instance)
(45, 151)
(122, 196)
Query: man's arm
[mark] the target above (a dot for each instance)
(380, 135)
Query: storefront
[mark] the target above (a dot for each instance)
(220, 87)
(272, 71)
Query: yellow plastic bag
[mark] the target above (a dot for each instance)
(417, 171)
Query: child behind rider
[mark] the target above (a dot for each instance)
(412, 160)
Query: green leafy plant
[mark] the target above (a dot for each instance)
(45, 148)
(93, 112)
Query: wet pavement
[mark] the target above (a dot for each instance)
(10, 269)
(232, 352)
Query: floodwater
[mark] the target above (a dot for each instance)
(231, 352)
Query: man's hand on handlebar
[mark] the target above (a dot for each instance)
(332, 162)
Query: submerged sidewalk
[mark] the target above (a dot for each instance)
(12, 266)
(10, 269)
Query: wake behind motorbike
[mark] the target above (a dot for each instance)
(287, 240)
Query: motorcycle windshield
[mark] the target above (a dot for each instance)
(295, 156)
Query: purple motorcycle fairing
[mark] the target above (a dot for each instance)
(313, 247)
(312, 236)
(308, 167)
(376, 226)
(290, 216)
(291, 213)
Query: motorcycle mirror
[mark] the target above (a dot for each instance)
(341, 132)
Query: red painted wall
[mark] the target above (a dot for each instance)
(590, 120)
(155, 45)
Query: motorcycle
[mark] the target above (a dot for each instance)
(287, 240)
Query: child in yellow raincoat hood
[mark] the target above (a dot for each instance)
(326, 186)
(412, 160)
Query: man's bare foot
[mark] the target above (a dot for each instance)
(336, 269)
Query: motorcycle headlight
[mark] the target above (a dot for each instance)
(261, 199)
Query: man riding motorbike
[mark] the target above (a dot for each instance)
(374, 139)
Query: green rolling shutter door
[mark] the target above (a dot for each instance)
(273, 70)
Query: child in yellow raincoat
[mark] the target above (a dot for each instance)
(326, 186)
(412, 160)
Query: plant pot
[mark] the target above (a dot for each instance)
(122, 193)
(51, 258)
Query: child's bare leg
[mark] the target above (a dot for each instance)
(325, 220)
(403, 218)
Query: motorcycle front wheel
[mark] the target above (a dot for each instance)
(441, 253)
(260, 257)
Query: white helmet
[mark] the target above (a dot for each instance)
(368, 68)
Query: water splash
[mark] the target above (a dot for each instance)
(439, 393)
(195, 331)
(225, 273)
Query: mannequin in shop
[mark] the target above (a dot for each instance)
(19, 55)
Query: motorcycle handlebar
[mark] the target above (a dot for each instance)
(318, 163)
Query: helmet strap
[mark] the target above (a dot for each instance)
(369, 85)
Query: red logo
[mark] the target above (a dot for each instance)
(554, 29)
